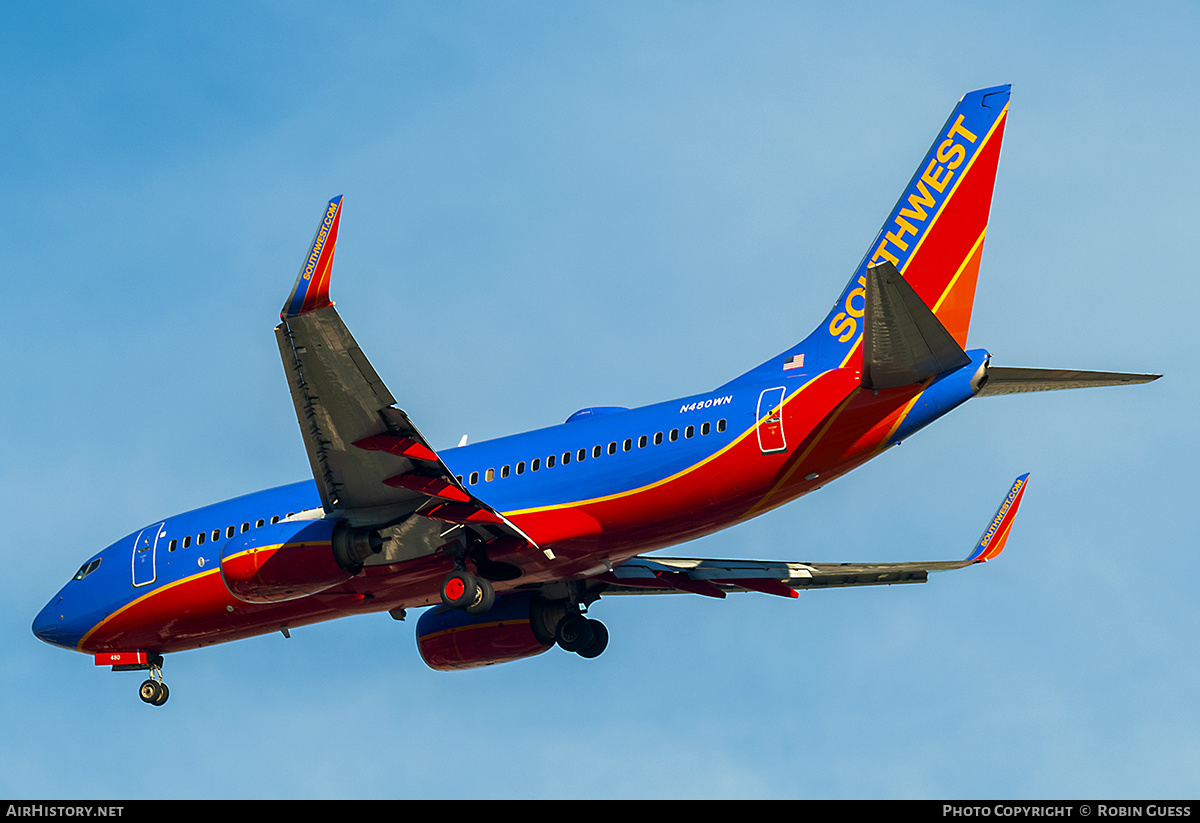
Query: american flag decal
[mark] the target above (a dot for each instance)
(794, 362)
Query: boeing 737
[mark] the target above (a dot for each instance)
(512, 541)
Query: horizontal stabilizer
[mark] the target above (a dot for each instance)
(1002, 380)
(903, 342)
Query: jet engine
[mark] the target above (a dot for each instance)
(518, 625)
(290, 560)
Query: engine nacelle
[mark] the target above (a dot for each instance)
(287, 561)
(518, 625)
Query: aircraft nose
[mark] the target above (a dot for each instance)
(50, 624)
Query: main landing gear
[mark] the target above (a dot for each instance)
(560, 622)
(576, 633)
(463, 590)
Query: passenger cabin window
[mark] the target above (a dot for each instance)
(274, 519)
(596, 451)
(474, 478)
(689, 431)
(550, 461)
(187, 541)
(258, 524)
(674, 435)
(628, 444)
(537, 464)
(245, 527)
(489, 475)
(200, 539)
(658, 438)
(706, 428)
(521, 467)
(581, 455)
(171, 546)
(642, 442)
(230, 532)
(612, 448)
(504, 471)
(216, 535)
(566, 458)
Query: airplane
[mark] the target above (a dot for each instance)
(511, 541)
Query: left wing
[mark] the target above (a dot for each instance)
(715, 578)
(372, 466)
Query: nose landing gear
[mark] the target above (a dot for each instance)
(153, 691)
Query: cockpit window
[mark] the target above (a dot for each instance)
(86, 569)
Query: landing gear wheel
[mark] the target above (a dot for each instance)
(465, 591)
(599, 641)
(153, 692)
(574, 632)
(460, 590)
(163, 694)
(484, 600)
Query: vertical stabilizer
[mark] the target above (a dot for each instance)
(933, 237)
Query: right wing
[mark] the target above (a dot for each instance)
(372, 466)
(716, 578)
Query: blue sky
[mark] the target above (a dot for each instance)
(551, 206)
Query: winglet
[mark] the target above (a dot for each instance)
(992, 542)
(312, 286)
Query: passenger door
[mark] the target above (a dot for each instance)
(145, 549)
(770, 421)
